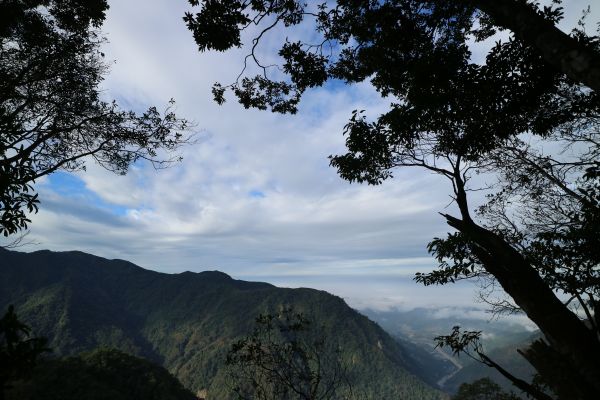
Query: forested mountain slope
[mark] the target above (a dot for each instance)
(445, 371)
(99, 375)
(507, 356)
(185, 322)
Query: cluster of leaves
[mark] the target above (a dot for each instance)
(455, 258)
(52, 115)
(399, 46)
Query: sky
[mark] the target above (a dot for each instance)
(254, 196)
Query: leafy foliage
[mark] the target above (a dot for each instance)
(19, 352)
(413, 50)
(469, 343)
(482, 389)
(506, 355)
(52, 115)
(101, 374)
(285, 359)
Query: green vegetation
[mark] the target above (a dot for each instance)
(19, 352)
(287, 357)
(507, 356)
(469, 344)
(100, 375)
(187, 322)
(482, 389)
(416, 328)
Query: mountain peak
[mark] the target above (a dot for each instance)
(206, 275)
(211, 274)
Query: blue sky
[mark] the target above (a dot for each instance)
(255, 197)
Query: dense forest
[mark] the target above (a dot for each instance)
(101, 374)
(188, 322)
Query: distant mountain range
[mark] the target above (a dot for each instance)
(187, 322)
(501, 338)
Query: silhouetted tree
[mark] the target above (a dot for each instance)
(18, 351)
(482, 389)
(456, 116)
(546, 209)
(468, 343)
(52, 115)
(287, 358)
(98, 375)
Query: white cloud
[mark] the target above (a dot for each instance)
(255, 197)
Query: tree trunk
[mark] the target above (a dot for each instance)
(578, 62)
(565, 332)
(531, 390)
(559, 375)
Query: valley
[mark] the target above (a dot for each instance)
(501, 339)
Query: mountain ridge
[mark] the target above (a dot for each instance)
(185, 321)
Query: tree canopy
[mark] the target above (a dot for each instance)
(100, 374)
(482, 389)
(457, 116)
(53, 114)
(19, 351)
(287, 358)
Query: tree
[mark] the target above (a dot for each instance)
(482, 389)
(546, 209)
(18, 351)
(100, 374)
(568, 54)
(468, 343)
(456, 116)
(286, 358)
(52, 114)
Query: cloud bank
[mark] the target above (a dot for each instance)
(255, 197)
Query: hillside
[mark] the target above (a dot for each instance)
(185, 322)
(447, 372)
(507, 356)
(100, 375)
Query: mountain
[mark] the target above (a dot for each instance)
(421, 325)
(507, 357)
(418, 327)
(186, 322)
(100, 375)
